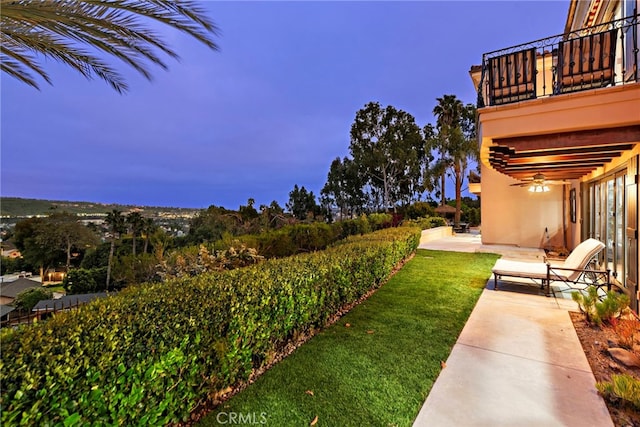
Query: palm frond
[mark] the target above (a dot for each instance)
(15, 69)
(70, 31)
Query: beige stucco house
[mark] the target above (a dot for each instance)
(559, 135)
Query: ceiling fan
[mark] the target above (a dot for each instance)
(538, 183)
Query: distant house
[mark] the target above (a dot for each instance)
(9, 291)
(11, 253)
(54, 275)
(9, 250)
(4, 312)
(66, 302)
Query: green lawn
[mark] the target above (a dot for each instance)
(378, 371)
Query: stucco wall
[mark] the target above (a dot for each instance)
(435, 234)
(514, 216)
(592, 109)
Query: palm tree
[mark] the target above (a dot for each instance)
(136, 225)
(448, 113)
(71, 31)
(148, 228)
(455, 143)
(116, 223)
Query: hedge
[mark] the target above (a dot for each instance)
(152, 353)
(426, 223)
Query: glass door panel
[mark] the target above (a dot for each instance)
(610, 224)
(619, 241)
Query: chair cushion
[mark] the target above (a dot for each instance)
(581, 255)
(507, 267)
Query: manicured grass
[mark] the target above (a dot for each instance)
(378, 371)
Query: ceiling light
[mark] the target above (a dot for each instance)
(538, 188)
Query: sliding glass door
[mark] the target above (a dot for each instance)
(607, 222)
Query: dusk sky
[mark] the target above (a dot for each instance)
(271, 109)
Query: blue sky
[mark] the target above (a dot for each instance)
(271, 109)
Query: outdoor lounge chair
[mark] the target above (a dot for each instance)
(574, 271)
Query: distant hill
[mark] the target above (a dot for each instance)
(17, 207)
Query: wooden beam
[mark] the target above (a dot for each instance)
(584, 138)
(604, 158)
(610, 148)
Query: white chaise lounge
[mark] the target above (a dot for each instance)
(573, 271)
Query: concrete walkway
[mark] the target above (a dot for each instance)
(517, 362)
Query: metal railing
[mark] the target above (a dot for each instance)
(599, 56)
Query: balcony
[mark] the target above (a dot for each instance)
(595, 57)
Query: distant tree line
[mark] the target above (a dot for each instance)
(394, 162)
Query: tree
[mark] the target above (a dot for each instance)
(272, 216)
(68, 233)
(249, 217)
(116, 224)
(455, 142)
(79, 281)
(389, 149)
(448, 113)
(46, 241)
(212, 223)
(33, 246)
(71, 31)
(148, 228)
(302, 203)
(344, 187)
(135, 221)
(28, 298)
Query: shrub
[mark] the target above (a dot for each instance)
(378, 221)
(292, 239)
(626, 330)
(189, 262)
(623, 387)
(79, 281)
(419, 210)
(28, 298)
(150, 354)
(14, 265)
(130, 269)
(427, 223)
(85, 281)
(596, 311)
(472, 216)
(7, 265)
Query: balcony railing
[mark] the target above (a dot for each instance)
(594, 57)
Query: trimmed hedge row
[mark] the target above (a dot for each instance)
(150, 354)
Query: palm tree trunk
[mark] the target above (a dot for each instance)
(111, 250)
(442, 196)
(458, 174)
(68, 254)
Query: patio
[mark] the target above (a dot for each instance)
(518, 360)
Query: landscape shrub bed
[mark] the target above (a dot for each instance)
(427, 222)
(300, 238)
(152, 353)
